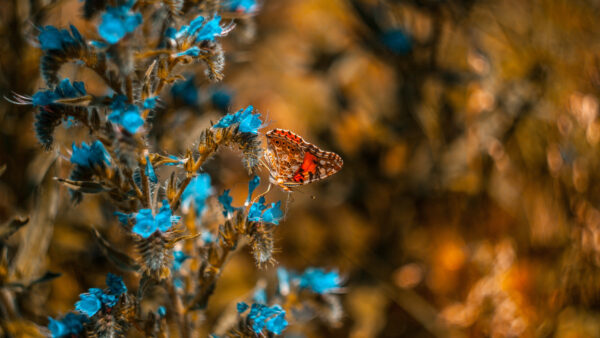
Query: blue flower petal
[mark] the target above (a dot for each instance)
(319, 281)
(277, 324)
(252, 184)
(150, 171)
(144, 223)
(273, 214)
(117, 22)
(196, 192)
(225, 201)
(88, 304)
(115, 284)
(256, 209)
(242, 307)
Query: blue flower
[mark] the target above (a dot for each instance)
(272, 317)
(150, 102)
(64, 90)
(178, 258)
(252, 184)
(57, 328)
(248, 122)
(161, 311)
(150, 171)
(397, 40)
(118, 21)
(225, 201)
(319, 281)
(273, 214)
(199, 31)
(208, 237)
(115, 284)
(186, 91)
(71, 324)
(126, 115)
(259, 213)
(242, 307)
(277, 324)
(244, 6)
(144, 223)
(221, 98)
(256, 210)
(283, 276)
(197, 192)
(260, 296)
(90, 156)
(53, 39)
(88, 304)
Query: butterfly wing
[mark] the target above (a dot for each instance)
(294, 161)
(284, 155)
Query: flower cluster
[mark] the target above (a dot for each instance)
(271, 318)
(248, 122)
(90, 156)
(118, 22)
(146, 224)
(92, 301)
(69, 325)
(64, 90)
(125, 114)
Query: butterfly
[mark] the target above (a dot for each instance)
(293, 162)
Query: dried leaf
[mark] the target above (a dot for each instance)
(12, 226)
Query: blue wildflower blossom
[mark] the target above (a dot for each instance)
(90, 156)
(252, 184)
(88, 304)
(146, 224)
(260, 296)
(162, 311)
(51, 38)
(225, 201)
(115, 284)
(186, 91)
(207, 237)
(71, 324)
(248, 122)
(259, 213)
(150, 171)
(397, 40)
(272, 317)
(256, 210)
(150, 102)
(178, 258)
(242, 307)
(320, 281)
(118, 21)
(197, 192)
(221, 98)
(64, 90)
(126, 115)
(199, 31)
(273, 214)
(283, 276)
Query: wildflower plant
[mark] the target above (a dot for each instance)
(137, 63)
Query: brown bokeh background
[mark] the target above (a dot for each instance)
(467, 205)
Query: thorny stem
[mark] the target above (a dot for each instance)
(146, 189)
(207, 283)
